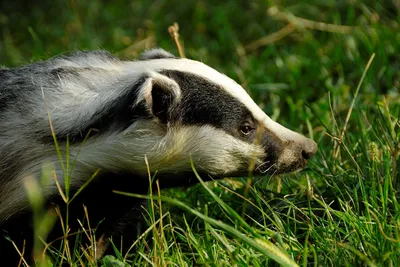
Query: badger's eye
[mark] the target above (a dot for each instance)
(246, 129)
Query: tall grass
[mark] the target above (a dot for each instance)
(316, 78)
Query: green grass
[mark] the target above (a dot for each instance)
(343, 210)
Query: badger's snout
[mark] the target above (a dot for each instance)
(294, 154)
(308, 148)
(285, 150)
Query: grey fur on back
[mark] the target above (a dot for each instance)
(74, 91)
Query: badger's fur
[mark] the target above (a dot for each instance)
(114, 114)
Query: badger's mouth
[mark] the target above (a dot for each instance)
(272, 168)
(291, 158)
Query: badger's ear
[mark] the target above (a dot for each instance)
(156, 53)
(160, 95)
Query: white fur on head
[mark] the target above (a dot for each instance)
(168, 151)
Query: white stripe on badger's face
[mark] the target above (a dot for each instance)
(212, 150)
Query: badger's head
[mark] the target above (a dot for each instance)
(193, 112)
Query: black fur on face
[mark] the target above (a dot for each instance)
(204, 102)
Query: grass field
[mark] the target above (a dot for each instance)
(327, 69)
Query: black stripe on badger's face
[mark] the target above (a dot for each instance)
(203, 102)
(206, 103)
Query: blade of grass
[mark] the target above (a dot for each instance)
(264, 246)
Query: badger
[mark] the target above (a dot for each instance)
(121, 119)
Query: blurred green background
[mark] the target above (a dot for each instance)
(302, 62)
(297, 68)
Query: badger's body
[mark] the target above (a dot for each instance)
(115, 114)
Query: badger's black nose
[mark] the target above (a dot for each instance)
(309, 149)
